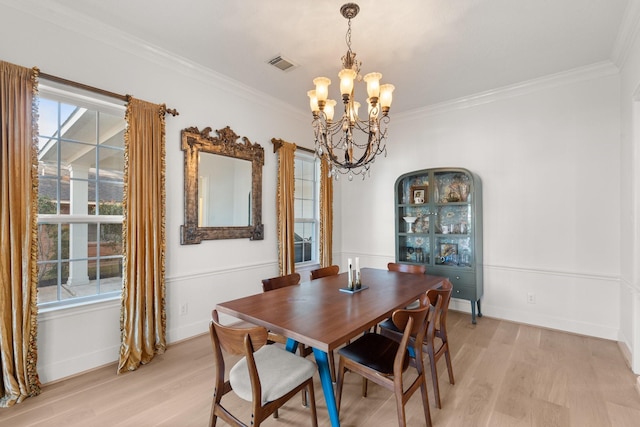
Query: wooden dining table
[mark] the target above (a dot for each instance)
(321, 315)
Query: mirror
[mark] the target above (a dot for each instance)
(222, 186)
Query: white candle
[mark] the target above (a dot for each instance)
(357, 265)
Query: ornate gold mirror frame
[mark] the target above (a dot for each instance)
(195, 142)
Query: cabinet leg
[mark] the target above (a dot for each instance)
(473, 312)
(479, 309)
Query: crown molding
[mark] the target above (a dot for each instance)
(597, 70)
(627, 34)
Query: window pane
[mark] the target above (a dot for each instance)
(47, 282)
(111, 130)
(297, 208)
(297, 168)
(308, 170)
(307, 190)
(47, 195)
(111, 163)
(48, 156)
(297, 189)
(110, 197)
(47, 242)
(302, 242)
(80, 281)
(110, 239)
(77, 158)
(110, 274)
(79, 245)
(81, 126)
(308, 209)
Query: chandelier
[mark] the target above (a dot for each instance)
(337, 139)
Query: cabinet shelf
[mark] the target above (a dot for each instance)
(446, 233)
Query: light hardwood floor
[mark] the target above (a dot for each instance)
(507, 374)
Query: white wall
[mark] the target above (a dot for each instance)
(198, 276)
(630, 202)
(548, 154)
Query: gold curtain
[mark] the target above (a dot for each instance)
(143, 316)
(326, 214)
(18, 227)
(284, 208)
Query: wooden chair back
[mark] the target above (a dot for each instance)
(245, 342)
(407, 268)
(445, 292)
(232, 340)
(439, 330)
(370, 356)
(332, 270)
(280, 282)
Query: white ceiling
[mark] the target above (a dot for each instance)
(431, 50)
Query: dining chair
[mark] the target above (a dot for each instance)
(434, 351)
(278, 282)
(267, 375)
(407, 268)
(332, 270)
(383, 360)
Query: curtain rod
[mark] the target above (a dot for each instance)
(71, 83)
(277, 143)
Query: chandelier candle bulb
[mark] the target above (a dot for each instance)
(346, 82)
(386, 96)
(373, 86)
(322, 90)
(329, 109)
(313, 101)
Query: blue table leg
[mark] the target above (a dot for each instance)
(327, 386)
(325, 379)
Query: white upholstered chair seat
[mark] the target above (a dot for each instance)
(279, 372)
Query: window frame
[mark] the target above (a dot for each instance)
(309, 158)
(78, 98)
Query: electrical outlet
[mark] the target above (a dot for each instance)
(184, 309)
(531, 298)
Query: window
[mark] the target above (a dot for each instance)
(80, 168)
(306, 208)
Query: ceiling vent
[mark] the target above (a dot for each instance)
(282, 64)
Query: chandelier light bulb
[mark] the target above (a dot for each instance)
(322, 90)
(313, 101)
(386, 96)
(346, 76)
(329, 109)
(373, 86)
